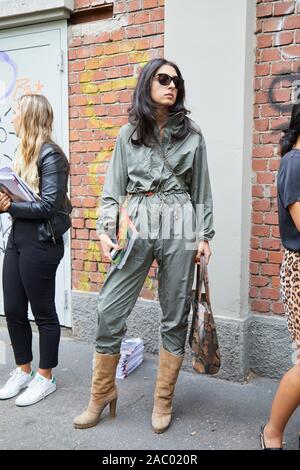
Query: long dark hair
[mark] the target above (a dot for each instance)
(143, 110)
(291, 135)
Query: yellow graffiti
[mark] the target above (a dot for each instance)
(92, 254)
(150, 284)
(90, 87)
(90, 213)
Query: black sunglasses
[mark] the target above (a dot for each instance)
(165, 79)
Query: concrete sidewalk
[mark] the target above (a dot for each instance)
(209, 413)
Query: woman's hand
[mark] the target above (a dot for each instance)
(5, 202)
(106, 245)
(203, 249)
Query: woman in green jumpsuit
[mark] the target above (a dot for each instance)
(159, 168)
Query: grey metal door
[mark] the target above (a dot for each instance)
(33, 60)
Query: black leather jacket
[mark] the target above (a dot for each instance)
(52, 212)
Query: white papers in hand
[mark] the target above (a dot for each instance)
(132, 355)
(15, 187)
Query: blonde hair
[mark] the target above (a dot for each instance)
(36, 119)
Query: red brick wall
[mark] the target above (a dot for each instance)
(103, 68)
(277, 65)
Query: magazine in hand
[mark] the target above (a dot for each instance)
(15, 187)
(126, 237)
(132, 351)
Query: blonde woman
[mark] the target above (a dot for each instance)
(34, 250)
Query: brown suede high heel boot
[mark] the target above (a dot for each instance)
(168, 370)
(103, 393)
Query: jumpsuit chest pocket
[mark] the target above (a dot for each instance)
(139, 163)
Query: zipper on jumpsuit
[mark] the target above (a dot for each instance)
(140, 195)
(161, 194)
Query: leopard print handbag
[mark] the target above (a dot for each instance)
(203, 338)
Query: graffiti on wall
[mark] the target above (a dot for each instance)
(291, 81)
(6, 132)
(11, 70)
(92, 88)
(11, 88)
(7, 85)
(5, 160)
(24, 87)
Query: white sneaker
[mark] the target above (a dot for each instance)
(38, 389)
(17, 381)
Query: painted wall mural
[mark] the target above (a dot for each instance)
(12, 88)
(109, 89)
(8, 69)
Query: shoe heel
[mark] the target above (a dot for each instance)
(112, 408)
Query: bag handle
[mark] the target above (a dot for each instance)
(202, 277)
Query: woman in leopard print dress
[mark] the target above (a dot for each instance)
(287, 398)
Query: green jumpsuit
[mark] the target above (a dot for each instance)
(177, 173)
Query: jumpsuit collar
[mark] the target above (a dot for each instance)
(173, 125)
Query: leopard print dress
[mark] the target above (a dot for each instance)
(290, 292)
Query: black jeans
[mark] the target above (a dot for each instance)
(29, 271)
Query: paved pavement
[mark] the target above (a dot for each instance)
(209, 413)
